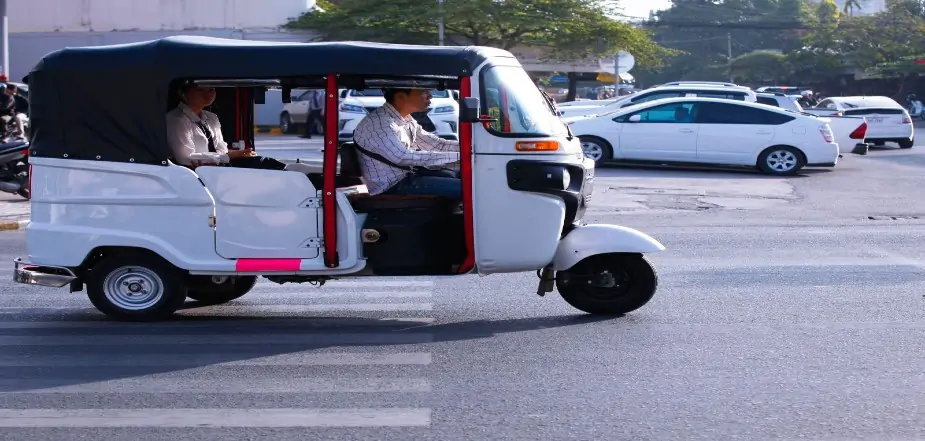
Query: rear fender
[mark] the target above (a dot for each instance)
(589, 240)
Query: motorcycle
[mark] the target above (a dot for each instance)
(14, 160)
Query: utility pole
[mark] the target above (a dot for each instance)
(4, 42)
(729, 55)
(440, 29)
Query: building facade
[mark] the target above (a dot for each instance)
(37, 27)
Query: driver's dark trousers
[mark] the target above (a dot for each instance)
(260, 162)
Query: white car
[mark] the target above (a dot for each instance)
(441, 118)
(709, 131)
(778, 99)
(887, 120)
(655, 93)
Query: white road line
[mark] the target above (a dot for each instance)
(756, 263)
(214, 418)
(253, 295)
(174, 385)
(258, 326)
(218, 360)
(231, 308)
(308, 339)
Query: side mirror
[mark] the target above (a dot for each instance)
(635, 118)
(456, 95)
(343, 93)
(469, 110)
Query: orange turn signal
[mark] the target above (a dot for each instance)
(535, 146)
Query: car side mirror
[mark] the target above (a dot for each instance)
(635, 118)
(456, 95)
(343, 93)
(469, 110)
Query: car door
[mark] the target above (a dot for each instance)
(299, 109)
(729, 133)
(659, 134)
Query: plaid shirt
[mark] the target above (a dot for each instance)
(402, 141)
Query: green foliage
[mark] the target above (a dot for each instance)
(573, 29)
(760, 66)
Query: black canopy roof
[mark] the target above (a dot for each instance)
(109, 102)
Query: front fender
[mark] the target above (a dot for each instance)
(594, 239)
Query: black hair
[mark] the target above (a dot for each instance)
(390, 93)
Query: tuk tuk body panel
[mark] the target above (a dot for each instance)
(78, 206)
(264, 213)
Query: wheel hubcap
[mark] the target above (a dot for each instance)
(782, 160)
(592, 150)
(133, 288)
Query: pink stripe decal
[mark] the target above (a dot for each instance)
(251, 265)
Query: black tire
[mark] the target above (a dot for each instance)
(781, 161)
(906, 143)
(285, 123)
(210, 293)
(636, 284)
(137, 271)
(606, 148)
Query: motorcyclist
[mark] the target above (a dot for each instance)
(8, 107)
(806, 100)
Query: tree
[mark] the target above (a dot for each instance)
(568, 29)
(760, 66)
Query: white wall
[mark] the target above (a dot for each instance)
(150, 15)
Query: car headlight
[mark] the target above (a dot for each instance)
(444, 109)
(351, 108)
(566, 180)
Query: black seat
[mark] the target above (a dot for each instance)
(364, 202)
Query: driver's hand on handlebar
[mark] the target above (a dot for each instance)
(241, 154)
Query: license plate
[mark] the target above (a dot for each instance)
(875, 119)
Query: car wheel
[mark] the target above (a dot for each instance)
(285, 123)
(597, 149)
(906, 143)
(781, 161)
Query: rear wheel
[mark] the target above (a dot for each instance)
(285, 123)
(906, 143)
(207, 291)
(611, 284)
(136, 287)
(781, 161)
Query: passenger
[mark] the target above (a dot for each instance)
(392, 134)
(195, 134)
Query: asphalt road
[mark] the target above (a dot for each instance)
(784, 312)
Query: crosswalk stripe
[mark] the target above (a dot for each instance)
(253, 295)
(226, 308)
(219, 360)
(146, 340)
(213, 418)
(175, 385)
(113, 326)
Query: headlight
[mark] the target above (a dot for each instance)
(351, 108)
(566, 179)
(444, 109)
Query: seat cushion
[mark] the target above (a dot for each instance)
(365, 202)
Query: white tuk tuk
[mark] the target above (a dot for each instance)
(113, 212)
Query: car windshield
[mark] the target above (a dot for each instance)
(378, 92)
(509, 95)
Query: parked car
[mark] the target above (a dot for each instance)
(696, 130)
(849, 131)
(887, 120)
(441, 118)
(778, 99)
(655, 93)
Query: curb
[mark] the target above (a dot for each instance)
(13, 224)
(272, 130)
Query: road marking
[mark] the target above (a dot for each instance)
(214, 418)
(235, 308)
(171, 384)
(250, 298)
(308, 339)
(299, 323)
(220, 360)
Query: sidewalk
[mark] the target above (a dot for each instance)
(14, 212)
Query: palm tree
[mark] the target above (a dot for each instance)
(851, 5)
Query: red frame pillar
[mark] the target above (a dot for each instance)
(465, 163)
(328, 199)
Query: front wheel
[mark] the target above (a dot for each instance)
(208, 292)
(611, 284)
(136, 287)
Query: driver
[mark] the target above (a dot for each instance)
(391, 133)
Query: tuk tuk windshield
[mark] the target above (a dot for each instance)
(509, 95)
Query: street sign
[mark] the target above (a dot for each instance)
(624, 62)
